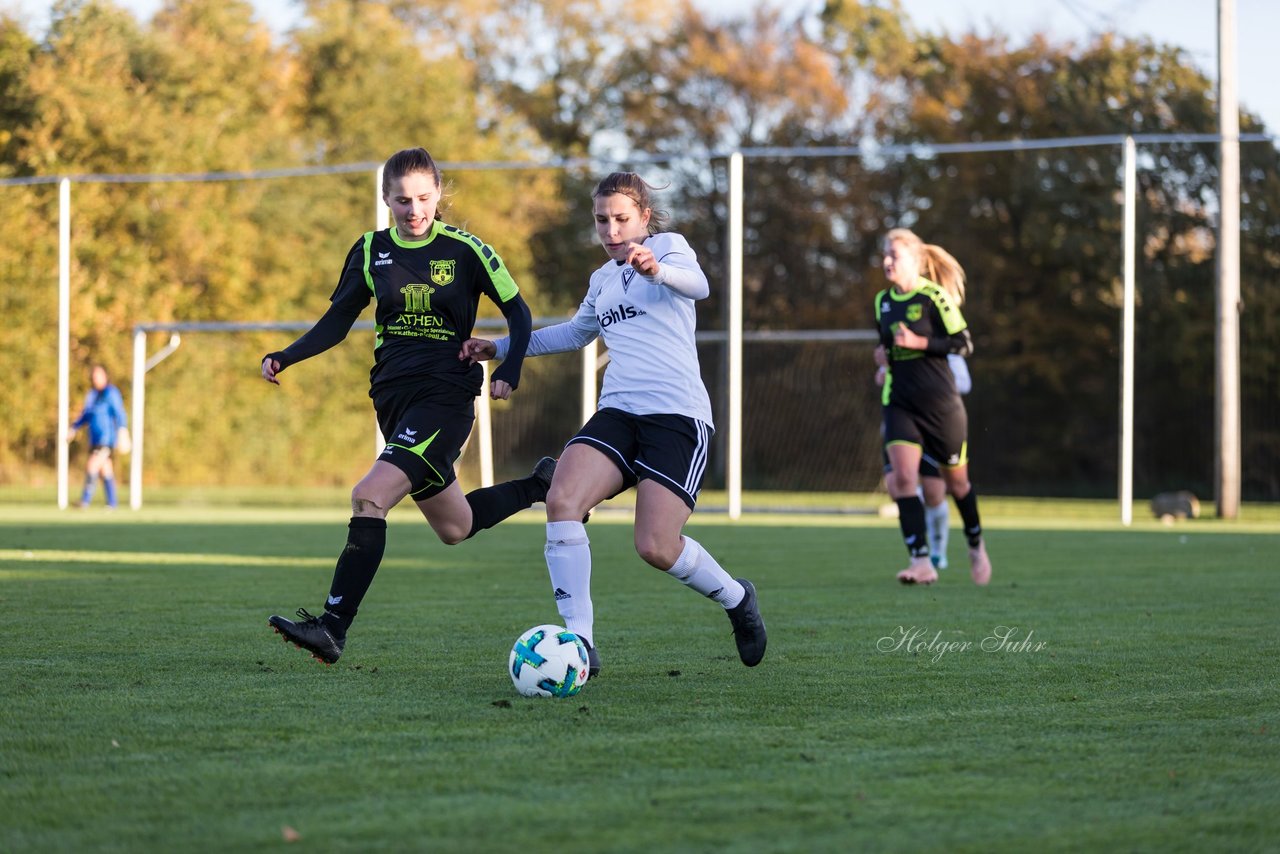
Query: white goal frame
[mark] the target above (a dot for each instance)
(142, 364)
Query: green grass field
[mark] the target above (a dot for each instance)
(1134, 706)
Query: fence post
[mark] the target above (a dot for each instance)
(1226, 396)
(484, 424)
(139, 412)
(64, 338)
(380, 214)
(590, 367)
(733, 469)
(1126, 331)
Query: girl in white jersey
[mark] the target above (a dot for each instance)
(653, 425)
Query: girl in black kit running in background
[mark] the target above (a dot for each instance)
(425, 278)
(920, 325)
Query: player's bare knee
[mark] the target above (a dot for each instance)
(958, 486)
(365, 504)
(656, 551)
(560, 506)
(451, 535)
(902, 484)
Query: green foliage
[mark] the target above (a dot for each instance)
(17, 102)
(1041, 233)
(204, 87)
(146, 700)
(28, 350)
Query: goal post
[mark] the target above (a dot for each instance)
(143, 364)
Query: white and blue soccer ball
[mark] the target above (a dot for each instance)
(548, 661)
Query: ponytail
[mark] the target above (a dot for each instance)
(936, 264)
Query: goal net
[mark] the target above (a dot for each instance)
(311, 438)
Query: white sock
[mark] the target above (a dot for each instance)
(696, 568)
(937, 522)
(568, 554)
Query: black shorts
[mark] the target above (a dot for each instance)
(941, 435)
(928, 466)
(668, 449)
(425, 428)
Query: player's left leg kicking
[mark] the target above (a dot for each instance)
(613, 451)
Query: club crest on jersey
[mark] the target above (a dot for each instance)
(442, 272)
(914, 312)
(417, 298)
(627, 275)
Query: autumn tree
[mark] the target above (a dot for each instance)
(203, 87)
(1040, 234)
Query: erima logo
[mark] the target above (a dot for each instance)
(884, 307)
(333, 600)
(409, 435)
(617, 315)
(383, 258)
(561, 594)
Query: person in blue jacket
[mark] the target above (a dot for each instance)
(104, 415)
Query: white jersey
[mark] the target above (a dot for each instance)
(648, 324)
(960, 370)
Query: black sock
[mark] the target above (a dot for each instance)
(491, 504)
(366, 541)
(911, 521)
(968, 507)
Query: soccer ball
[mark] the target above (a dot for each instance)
(548, 661)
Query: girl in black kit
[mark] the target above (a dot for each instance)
(425, 278)
(920, 324)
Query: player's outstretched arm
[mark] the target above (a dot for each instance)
(329, 331)
(477, 350)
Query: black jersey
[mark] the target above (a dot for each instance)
(427, 293)
(921, 379)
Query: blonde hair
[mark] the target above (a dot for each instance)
(936, 264)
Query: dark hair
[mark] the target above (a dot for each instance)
(406, 162)
(636, 189)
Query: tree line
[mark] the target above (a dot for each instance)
(663, 88)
